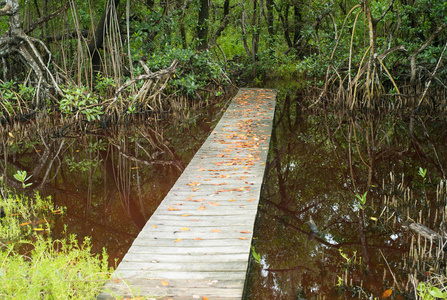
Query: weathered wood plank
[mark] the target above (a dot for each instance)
(157, 257)
(197, 242)
(168, 275)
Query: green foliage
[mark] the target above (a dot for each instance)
(423, 173)
(80, 100)
(60, 269)
(22, 177)
(256, 256)
(198, 69)
(429, 292)
(105, 86)
(362, 200)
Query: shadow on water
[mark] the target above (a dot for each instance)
(110, 180)
(313, 239)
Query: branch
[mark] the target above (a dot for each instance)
(384, 13)
(5, 10)
(422, 48)
(157, 74)
(46, 18)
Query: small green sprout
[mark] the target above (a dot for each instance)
(22, 177)
(362, 200)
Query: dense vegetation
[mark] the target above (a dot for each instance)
(74, 57)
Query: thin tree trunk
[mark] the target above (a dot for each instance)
(202, 25)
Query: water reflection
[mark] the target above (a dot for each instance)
(319, 162)
(110, 180)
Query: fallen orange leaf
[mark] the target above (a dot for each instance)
(216, 230)
(202, 207)
(198, 239)
(155, 226)
(184, 229)
(164, 283)
(26, 223)
(232, 200)
(242, 238)
(251, 199)
(185, 215)
(387, 293)
(204, 298)
(245, 231)
(177, 240)
(172, 208)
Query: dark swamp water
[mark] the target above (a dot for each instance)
(112, 180)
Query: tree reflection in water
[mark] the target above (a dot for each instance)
(111, 180)
(319, 162)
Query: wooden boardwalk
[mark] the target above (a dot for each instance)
(197, 243)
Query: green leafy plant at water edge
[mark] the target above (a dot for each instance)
(22, 177)
(428, 292)
(256, 256)
(59, 269)
(78, 100)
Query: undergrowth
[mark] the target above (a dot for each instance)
(32, 264)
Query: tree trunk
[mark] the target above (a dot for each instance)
(19, 47)
(202, 25)
(270, 4)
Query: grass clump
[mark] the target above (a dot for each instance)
(59, 269)
(33, 265)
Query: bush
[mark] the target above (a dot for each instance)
(32, 265)
(60, 269)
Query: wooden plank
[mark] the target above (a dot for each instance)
(197, 242)
(157, 257)
(187, 275)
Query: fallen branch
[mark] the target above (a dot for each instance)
(159, 74)
(426, 232)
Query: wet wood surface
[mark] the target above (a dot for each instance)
(197, 243)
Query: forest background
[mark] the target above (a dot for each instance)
(83, 58)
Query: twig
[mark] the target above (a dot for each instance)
(392, 274)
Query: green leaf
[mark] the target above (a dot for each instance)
(436, 292)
